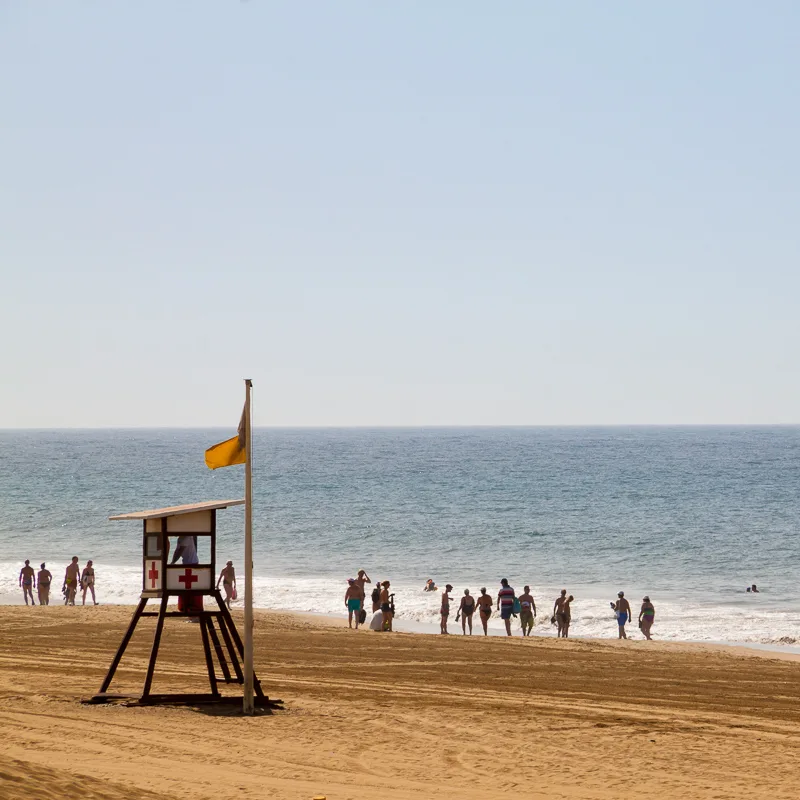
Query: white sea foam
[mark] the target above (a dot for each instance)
(754, 619)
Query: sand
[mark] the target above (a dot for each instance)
(394, 716)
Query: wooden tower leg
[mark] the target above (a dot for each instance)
(121, 649)
(234, 656)
(239, 645)
(162, 610)
(212, 632)
(212, 678)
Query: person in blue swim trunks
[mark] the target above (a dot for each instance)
(352, 600)
(622, 608)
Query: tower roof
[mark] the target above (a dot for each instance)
(175, 511)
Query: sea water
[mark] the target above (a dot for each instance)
(689, 515)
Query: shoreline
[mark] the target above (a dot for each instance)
(784, 651)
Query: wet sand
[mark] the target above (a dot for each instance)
(393, 716)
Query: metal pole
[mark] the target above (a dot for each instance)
(248, 704)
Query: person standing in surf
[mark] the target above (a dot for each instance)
(622, 608)
(43, 579)
(558, 612)
(566, 617)
(27, 580)
(386, 607)
(361, 580)
(352, 601)
(228, 577)
(70, 587)
(466, 610)
(87, 582)
(445, 609)
(505, 603)
(485, 606)
(527, 611)
(376, 597)
(647, 616)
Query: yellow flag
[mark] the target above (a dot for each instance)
(227, 453)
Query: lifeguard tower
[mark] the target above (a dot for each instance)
(178, 530)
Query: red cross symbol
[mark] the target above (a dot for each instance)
(187, 579)
(153, 574)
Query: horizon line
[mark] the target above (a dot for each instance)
(417, 427)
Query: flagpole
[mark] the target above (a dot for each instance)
(248, 705)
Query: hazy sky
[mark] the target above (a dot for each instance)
(399, 212)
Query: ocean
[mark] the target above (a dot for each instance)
(689, 515)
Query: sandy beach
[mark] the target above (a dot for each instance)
(394, 716)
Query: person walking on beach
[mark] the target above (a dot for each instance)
(505, 603)
(43, 580)
(527, 611)
(228, 577)
(485, 606)
(87, 581)
(622, 608)
(27, 580)
(445, 609)
(352, 601)
(70, 587)
(566, 617)
(647, 616)
(466, 610)
(386, 607)
(558, 612)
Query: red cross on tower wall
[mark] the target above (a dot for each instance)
(153, 574)
(188, 578)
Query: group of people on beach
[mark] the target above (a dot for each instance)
(507, 603)
(29, 580)
(382, 603)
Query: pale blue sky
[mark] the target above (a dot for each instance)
(399, 213)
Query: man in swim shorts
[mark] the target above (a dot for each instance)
(527, 611)
(505, 603)
(445, 609)
(228, 577)
(622, 608)
(43, 580)
(485, 608)
(361, 580)
(27, 580)
(71, 577)
(352, 600)
(558, 612)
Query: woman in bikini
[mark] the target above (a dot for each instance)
(485, 607)
(466, 610)
(87, 581)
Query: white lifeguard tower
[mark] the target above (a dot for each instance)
(190, 581)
